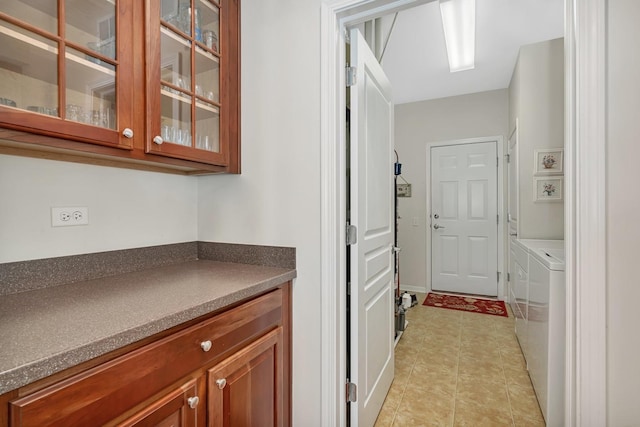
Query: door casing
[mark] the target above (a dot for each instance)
(585, 184)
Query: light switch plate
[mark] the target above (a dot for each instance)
(403, 190)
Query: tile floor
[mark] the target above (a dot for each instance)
(455, 368)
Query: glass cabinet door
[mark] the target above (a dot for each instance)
(61, 72)
(184, 81)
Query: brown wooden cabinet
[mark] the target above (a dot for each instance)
(148, 85)
(178, 408)
(246, 389)
(230, 369)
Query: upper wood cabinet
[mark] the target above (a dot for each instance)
(153, 84)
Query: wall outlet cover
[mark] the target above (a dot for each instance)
(69, 216)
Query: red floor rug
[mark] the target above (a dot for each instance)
(475, 305)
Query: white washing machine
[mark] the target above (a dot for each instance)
(519, 284)
(546, 330)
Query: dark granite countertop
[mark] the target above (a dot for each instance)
(45, 331)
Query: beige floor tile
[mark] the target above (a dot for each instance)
(385, 417)
(523, 402)
(485, 369)
(425, 409)
(394, 396)
(520, 421)
(472, 391)
(476, 416)
(462, 369)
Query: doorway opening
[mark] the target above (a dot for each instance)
(584, 50)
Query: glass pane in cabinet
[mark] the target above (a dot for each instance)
(175, 60)
(209, 16)
(207, 75)
(207, 127)
(92, 23)
(39, 13)
(175, 121)
(28, 70)
(91, 90)
(179, 14)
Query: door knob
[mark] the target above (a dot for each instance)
(221, 383)
(437, 226)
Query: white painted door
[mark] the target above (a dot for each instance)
(464, 218)
(372, 294)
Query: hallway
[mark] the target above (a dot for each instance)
(455, 368)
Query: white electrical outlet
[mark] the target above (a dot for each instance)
(66, 217)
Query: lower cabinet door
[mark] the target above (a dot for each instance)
(178, 408)
(246, 389)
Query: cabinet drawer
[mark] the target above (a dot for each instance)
(106, 391)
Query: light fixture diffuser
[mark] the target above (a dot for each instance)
(459, 23)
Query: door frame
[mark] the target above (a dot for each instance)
(512, 134)
(585, 197)
(499, 140)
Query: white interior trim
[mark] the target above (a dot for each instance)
(586, 213)
(500, 151)
(584, 231)
(333, 243)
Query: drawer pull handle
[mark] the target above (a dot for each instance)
(193, 402)
(221, 383)
(205, 345)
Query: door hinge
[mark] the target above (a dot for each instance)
(351, 392)
(352, 234)
(498, 219)
(351, 76)
(508, 277)
(508, 156)
(498, 276)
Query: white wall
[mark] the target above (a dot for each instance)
(623, 205)
(419, 123)
(276, 200)
(127, 209)
(537, 100)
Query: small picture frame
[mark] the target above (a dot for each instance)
(548, 161)
(548, 189)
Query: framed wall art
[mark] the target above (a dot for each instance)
(548, 189)
(548, 161)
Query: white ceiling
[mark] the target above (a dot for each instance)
(415, 59)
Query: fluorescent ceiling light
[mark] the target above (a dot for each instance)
(459, 23)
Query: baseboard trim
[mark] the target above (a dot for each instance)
(409, 288)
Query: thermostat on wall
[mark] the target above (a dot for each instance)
(403, 190)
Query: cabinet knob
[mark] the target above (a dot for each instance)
(221, 383)
(205, 345)
(193, 402)
(127, 133)
(158, 139)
